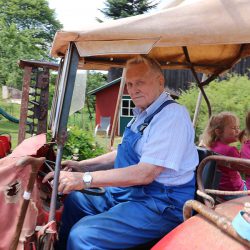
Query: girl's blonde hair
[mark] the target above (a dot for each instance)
(245, 133)
(218, 121)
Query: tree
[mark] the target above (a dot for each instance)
(27, 29)
(95, 80)
(230, 94)
(116, 9)
(124, 8)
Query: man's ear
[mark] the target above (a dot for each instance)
(161, 80)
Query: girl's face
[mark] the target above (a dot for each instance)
(230, 132)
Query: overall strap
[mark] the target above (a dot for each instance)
(150, 117)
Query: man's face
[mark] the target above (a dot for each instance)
(143, 84)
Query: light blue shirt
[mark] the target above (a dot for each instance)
(168, 141)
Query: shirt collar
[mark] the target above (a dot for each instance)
(150, 109)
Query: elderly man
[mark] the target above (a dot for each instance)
(152, 173)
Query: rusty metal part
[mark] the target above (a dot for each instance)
(222, 192)
(44, 100)
(62, 138)
(38, 109)
(241, 165)
(220, 221)
(36, 77)
(46, 236)
(35, 164)
(207, 197)
(24, 104)
(37, 64)
(43, 79)
(46, 241)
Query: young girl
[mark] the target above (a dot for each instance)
(245, 141)
(222, 130)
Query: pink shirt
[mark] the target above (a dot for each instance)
(230, 179)
(245, 150)
(245, 153)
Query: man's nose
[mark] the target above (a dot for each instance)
(133, 89)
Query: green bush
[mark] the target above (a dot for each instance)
(82, 144)
(231, 94)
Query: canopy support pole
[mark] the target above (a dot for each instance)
(198, 103)
(117, 109)
(199, 83)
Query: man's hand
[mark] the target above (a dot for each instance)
(68, 181)
(70, 165)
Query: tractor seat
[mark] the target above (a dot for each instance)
(210, 176)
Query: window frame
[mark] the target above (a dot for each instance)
(129, 107)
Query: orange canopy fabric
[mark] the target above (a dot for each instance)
(215, 32)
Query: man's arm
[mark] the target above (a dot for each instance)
(140, 174)
(102, 162)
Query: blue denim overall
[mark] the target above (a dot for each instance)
(123, 217)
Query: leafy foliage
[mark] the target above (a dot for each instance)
(15, 45)
(231, 94)
(32, 15)
(94, 80)
(115, 9)
(81, 143)
(26, 31)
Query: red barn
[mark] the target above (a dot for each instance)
(106, 97)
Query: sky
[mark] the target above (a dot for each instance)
(78, 14)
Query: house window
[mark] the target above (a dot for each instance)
(127, 107)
